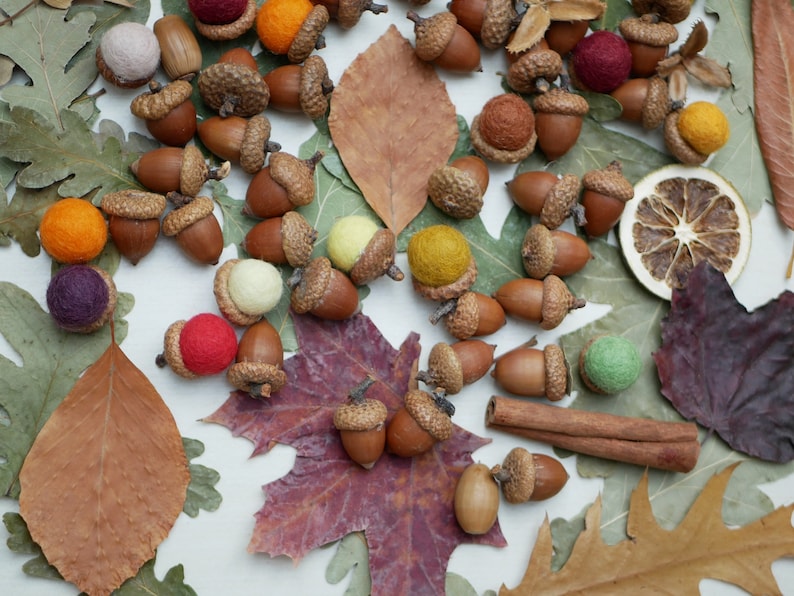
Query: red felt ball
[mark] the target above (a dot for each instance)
(601, 61)
(208, 344)
(217, 12)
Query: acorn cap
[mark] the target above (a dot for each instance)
(499, 155)
(259, 379)
(226, 305)
(255, 144)
(676, 144)
(295, 175)
(231, 30)
(231, 88)
(366, 415)
(560, 201)
(455, 192)
(424, 409)
(462, 322)
(433, 34)
(133, 204)
(297, 238)
(194, 171)
(158, 102)
(497, 23)
(538, 251)
(377, 259)
(520, 471)
(309, 36)
(453, 290)
(313, 280)
(314, 87)
(560, 101)
(609, 181)
(533, 71)
(648, 30)
(657, 103)
(185, 216)
(171, 352)
(557, 302)
(445, 368)
(558, 374)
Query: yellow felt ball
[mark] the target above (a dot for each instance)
(438, 255)
(73, 231)
(704, 126)
(347, 238)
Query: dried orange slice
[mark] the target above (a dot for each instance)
(681, 215)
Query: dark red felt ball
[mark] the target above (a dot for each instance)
(208, 344)
(77, 297)
(217, 12)
(601, 61)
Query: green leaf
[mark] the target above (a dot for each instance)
(457, 585)
(235, 223)
(20, 542)
(616, 11)
(731, 44)
(352, 555)
(603, 107)
(19, 218)
(201, 492)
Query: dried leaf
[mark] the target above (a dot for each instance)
(393, 124)
(575, 10)
(661, 561)
(708, 71)
(201, 492)
(6, 69)
(773, 77)
(742, 390)
(411, 530)
(530, 29)
(100, 502)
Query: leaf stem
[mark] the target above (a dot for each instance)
(790, 264)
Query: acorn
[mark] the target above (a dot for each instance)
(177, 169)
(545, 302)
(645, 100)
(423, 421)
(285, 240)
(452, 366)
(362, 249)
(361, 423)
(442, 266)
(534, 71)
(348, 12)
(476, 500)
(285, 183)
(504, 130)
(231, 25)
(128, 54)
(247, 289)
(553, 199)
(525, 476)
(168, 111)
(531, 372)
(558, 121)
(239, 55)
(203, 345)
(257, 368)
(562, 36)
(301, 87)
(180, 53)
(648, 38)
(472, 314)
(81, 298)
(442, 41)
(554, 252)
(670, 11)
(239, 140)
(489, 21)
(457, 189)
(235, 89)
(133, 221)
(323, 291)
(195, 228)
(606, 192)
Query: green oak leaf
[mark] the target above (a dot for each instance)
(457, 585)
(235, 223)
(616, 11)
(352, 555)
(731, 44)
(20, 542)
(8, 169)
(19, 218)
(201, 492)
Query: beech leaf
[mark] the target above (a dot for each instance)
(98, 503)
(393, 123)
(403, 505)
(663, 561)
(729, 369)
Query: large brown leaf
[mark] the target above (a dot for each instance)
(773, 77)
(393, 123)
(106, 477)
(660, 561)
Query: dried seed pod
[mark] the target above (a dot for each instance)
(424, 420)
(458, 188)
(168, 169)
(195, 228)
(545, 302)
(442, 41)
(134, 221)
(168, 111)
(504, 131)
(285, 183)
(257, 369)
(239, 140)
(558, 121)
(348, 12)
(301, 87)
(605, 195)
(533, 71)
(554, 252)
(231, 30)
(287, 239)
(180, 53)
(231, 88)
(361, 423)
(644, 100)
(452, 366)
(323, 291)
(490, 21)
(525, 476)
(472, 314)
(648, 39)
(545, 195)
(532, 372)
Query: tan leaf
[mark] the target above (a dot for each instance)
(393, 124)
(531, 29)
(106, 477)
(773, 77)
(575, 10)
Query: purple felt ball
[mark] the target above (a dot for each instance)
(78, 298)
(601, 61)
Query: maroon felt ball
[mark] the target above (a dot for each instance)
(208, 344)
(217, 12)
(601, 61)
(78, 297)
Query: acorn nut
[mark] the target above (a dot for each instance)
(553, 199)
(558, 121)
(648, 38)
(180, 53)
(644, 100)
(472, 314)
(423, 421)
(235, 89)
(168, 111)
(452, 366)
(490, 21)
(285, 240)
(323, 291)
(442, 41)
(239, 140)
(525, 476)
(178, 169)
(458, 188)
(545, 302)
(606, 192)
(555, 252)
(133, 221)
(562, 36)
(285, 183)
(310, 35)
(476, 500)
(531, 372)
(361, 423)
(257, 368)
(195, 228)
(534, 71)
(301, 87)
(504, 131)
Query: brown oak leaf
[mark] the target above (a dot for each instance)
(393, 123)
(106, 477)
(404, 506)
(660, 561)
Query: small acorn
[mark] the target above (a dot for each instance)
(323, 291)
(128, 55)
(545, 302)
(555, 252)
(81, 298)
(362, 249)
(644, 100)
(231, 88)
(247, 289)
(301, 87)
(489, 21)
(441, 263)
(442, 41)
(180, 53)
(558, 121)
(223, 20)
(423, 421)
(348, 12)
(133, 221)
(195, 228)
(562, 36)
(361, 423)
(525, 476)
(472, 314)
(239, 140)
(600, 62)
(609, 364)
(476, 500)
(285, 240)
(177, 169)
(457, 189)
(452, 366)
(606, 192)
(533, 71)
(670, 11)
(285, 183)
(257, 368)
(648, 38)
(553, 199)
(531, 372)
(504, 131)
(168, 111)
(204, 345)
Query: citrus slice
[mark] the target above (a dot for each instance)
(681, 215)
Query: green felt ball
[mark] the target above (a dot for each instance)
(348, 238)
(611, 363)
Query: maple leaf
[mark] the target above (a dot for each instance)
(404, 506)
(663, 561)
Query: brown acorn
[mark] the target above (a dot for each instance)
(377, 259)
(504, 130)
(670, 11)
(534, 71)
(458, 188)
(606, 192)
(229, 31)
(133, 221)
(301, 87)
(235, 89)
(489, 21)
(168, 111)
(472, 314)
(545, 302)
(555, 252)
(257, 369)
(348, 12)
(285, 183)
(525, 476)
(323, 291)
(442, 41)
(361, 423)
(239, 55)
(239, 140)
(558, 121)
(180, 53)
(648, 38)
(169, 169)
(452, 366)
(532, 372)
(644, 100)
(562, 36)
(195, 228)
(553, 199)
(288, 239)
(423, 421)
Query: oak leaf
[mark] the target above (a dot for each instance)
(393, 123)
(404, 506)
(99, 501)
(661, 561)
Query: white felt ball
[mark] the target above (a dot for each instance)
(255, 286)
(131, 51)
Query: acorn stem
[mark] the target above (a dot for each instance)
(375, 8)
(220, 172)
(177, 199)
(445, 308)
(443, 404)
(500, 474)
(356, 394)
(395, 273)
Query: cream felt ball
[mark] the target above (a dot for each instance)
(128, 54)
(255, 286)
(348, 238)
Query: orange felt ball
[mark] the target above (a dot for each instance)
(73, 231)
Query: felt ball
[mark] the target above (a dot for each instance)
(255, 286)
(208, 344)
(610, 363)
(217, 12)
(438, 255)
(347, 239)
(131, 51)
(601, 61)
(78, 298)
(704, 126)
(73, 231)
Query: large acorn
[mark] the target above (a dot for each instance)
(239, 140)
(442, 41)
(545, 302)
(168, 169)
(604, 198)
(257, 368)
(361, 423)
(472, 314)
(358, 246)
(323, 291)
(302, 88)
(168, 111)
(555, 252)
(285, 183)
(195, 228)
(532, 372)
(133, 221)
(423, 421)
(285, 240)
(231, 88)
(553, 199)
(525, 476)
(452, 366)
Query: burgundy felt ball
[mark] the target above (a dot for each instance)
(601, 61)
(208, 344)
(217, 12)
(80, 298)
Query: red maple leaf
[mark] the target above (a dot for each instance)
(404, 506)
